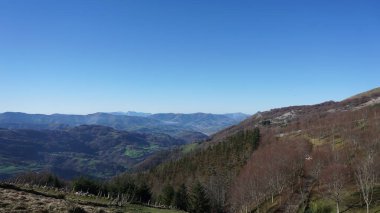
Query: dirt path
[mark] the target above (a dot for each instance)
(298, 197)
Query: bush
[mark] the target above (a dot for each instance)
(318, 208)
(86, 185)
(76, 209)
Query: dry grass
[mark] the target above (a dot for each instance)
(14, 199)
(19, 201)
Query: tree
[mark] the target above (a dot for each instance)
(365, 175)
(199, 202)
(41, 179)
(217, 190)
(321, 157)
(256, 138)
(167, 195)
(181, 198)
(122, 189)
(335, 176)
(365, 163)
(270, 170)
(143, 193)
(86, 185)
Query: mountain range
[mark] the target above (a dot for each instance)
(169, 123)
(99, 145)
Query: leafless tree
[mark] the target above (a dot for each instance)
(335, 176)
(365, 175)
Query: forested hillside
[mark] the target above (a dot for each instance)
(90, 150)
(302, 158)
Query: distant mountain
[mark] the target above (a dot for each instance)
(87, 149)
(99, 144)
(202, 122)
(169, 123)
(132, 113)
(237, 116)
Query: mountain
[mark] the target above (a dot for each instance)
(85, 144)
(206, 123)
(238, 116)
(92, 150)
(168, 123)
(202, 122)
(132, 113)
(115, 121)
(285, 160)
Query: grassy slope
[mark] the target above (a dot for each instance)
(351, 202)
(41, 200)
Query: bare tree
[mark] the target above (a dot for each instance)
(320, 157)
(335, 176)
(365, 174)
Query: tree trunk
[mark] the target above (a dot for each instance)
(367, 204)
(337, 207)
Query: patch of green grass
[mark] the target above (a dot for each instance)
(351, 202)
(317, 142)
(143, 209)
(133, 153)
(10, 169)
(137, 152)
(320, 206)
(189, 147)
(151, 148)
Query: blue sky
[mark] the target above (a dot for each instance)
(184, 56)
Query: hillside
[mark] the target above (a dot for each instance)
(302, 151)
(88, 149)
(371, 93)
(283, 116)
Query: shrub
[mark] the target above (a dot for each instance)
(315, 207)
(76, 209)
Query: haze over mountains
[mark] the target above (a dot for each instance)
(170, 123)
(100, 144)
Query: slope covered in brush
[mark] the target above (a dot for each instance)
(290, 162)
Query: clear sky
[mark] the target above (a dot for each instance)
(184, 55)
